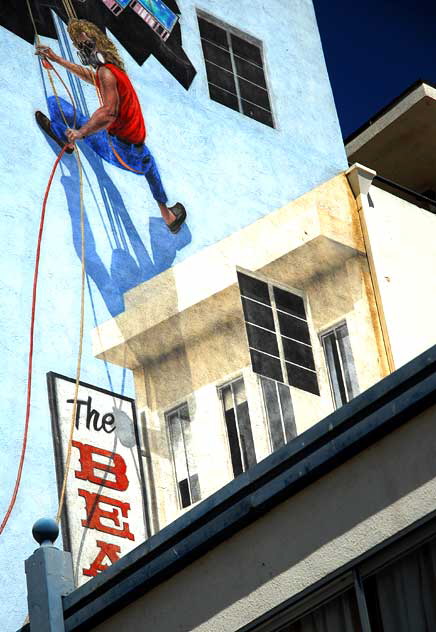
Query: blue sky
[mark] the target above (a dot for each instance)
(374, 50)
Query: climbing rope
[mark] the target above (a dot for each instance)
(82, 298)
(32, 330)
(71, 13)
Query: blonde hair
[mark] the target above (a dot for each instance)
(104, 45)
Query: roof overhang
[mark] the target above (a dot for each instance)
(396, 142)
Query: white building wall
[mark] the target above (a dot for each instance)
(402, 241)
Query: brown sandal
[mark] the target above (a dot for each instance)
(180, 212)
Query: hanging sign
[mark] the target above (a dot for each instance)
(104, 513)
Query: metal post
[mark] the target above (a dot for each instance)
(49, 575)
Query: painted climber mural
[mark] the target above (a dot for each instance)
(116, 130)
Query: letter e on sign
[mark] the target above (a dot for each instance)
(94, 513)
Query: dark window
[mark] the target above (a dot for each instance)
(402, 596)
(179, 427)
(278, 334)
(340, 364)
(340, 614)
(279, 412)
(238, 425)
(235, 72)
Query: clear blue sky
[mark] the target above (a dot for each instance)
(374, 50)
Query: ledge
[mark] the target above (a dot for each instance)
(317, 231)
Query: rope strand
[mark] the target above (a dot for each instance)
(71, 13)
(32, 331)
(79, 354)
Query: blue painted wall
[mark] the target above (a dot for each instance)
(227, 169)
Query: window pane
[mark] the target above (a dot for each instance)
(195, 488)
(221, 78)
(179, 426)
(255, 112)
(213, 33)
(272, 407)
(227, 397)
(244, 49)
(178, 447)
(290, 303)
(302, 378)
(235, 453)
(238, 426)
(253, 288)
(347, 361)
(334, 369)
(219, 95)
(216, 55)
(338, 615)
(298, 353)
(266, 365)
(294, 328)
(258, 314)
(246, 435)
(287, 411)
(262, 340)
(254, 94)
(187, 439)
(244, 424)
(238, 388)
(185, 496)
(249, 71)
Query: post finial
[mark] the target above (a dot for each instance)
(45, 531)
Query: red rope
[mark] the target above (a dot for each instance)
(32, 328)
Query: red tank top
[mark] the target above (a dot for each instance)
(129, 124)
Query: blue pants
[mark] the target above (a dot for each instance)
(139, 159)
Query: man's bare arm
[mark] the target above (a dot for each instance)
(107, 113)
(80, 71)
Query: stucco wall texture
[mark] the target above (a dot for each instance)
(226, 168)
(352, 509)
(402, 238)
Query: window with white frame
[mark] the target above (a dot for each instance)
(238, 425)
(278, 334)
(235, 71)
(179, 431)
(340, 364)
(279, 412)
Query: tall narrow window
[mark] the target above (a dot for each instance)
(179, 428)
(278, 334)
(340, 364)
(238, 425)
(235, 72)
(279, 412)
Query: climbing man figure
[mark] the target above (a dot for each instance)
(116, 131)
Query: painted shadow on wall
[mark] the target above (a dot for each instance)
(131, 263)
